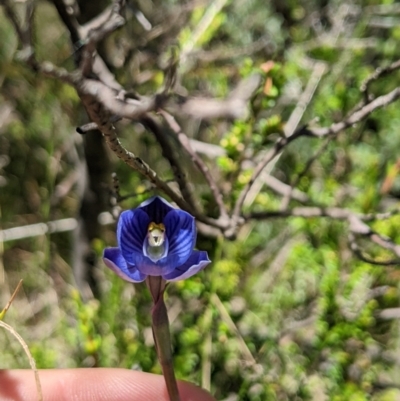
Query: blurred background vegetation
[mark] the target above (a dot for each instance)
(286, 311)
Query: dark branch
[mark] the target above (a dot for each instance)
(171, 155)
(360, 254)
(95, 35)
(358, 115)
(234, 106)
(184, 141)
(378, 73)
(317, 154)
(69, 21)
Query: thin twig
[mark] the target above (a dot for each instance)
(12, 16)
(208, 149)
(101, 117)
(234, 106)
(385, 243)
(334, 129)
(275, 267)
(358, 115)
(388, 314)
(110, 99)
(355, 248)
(290, 127)
(184, 141)
(279, 145)
(208, 17)
(86, 128)
(33, 230)
(49, 69)
(378, 73)
(379, 216)
(356, 222)
(170, 153)
(311, 160)
(305, 98)
(14, 294)
(224, 53)
(69, 20)
(23, 29)
(284, 189)
(98, 20)
(29, 19)
(232, 327)
(79, 34)
(22, 342)
(97, 34)
(358, 227)
(307, 212)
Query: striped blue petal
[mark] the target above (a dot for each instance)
(131, 233)
(156, 208)
(114, 260)
(180, 230)
(197, 261)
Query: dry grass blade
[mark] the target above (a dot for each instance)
(4, 311)
(13, 332)
(29, 355)
(246, 353)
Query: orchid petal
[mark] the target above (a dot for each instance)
(180, 230)
(156, 208)
(131, 233)
(197, 261)
(114, 260)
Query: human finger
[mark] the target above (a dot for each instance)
(100, 384)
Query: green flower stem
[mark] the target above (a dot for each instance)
(162, 336)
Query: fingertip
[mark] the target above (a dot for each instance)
(102, 384)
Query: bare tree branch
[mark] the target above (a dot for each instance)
(361, 255)
(184, 141)
(97, 22)
(358, 115)
(357, 226)
(69, 21)
(334, 129)
(97, 34)
(109, 98)
(23, 29)
(279, 145)
(317, 154)
(305, 98)
(388, 314)
(171, 155)
(12, 16)
(306, 211)
(234, 106)
(378, 73)
(315, 211)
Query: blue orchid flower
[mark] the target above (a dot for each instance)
(155, 239)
